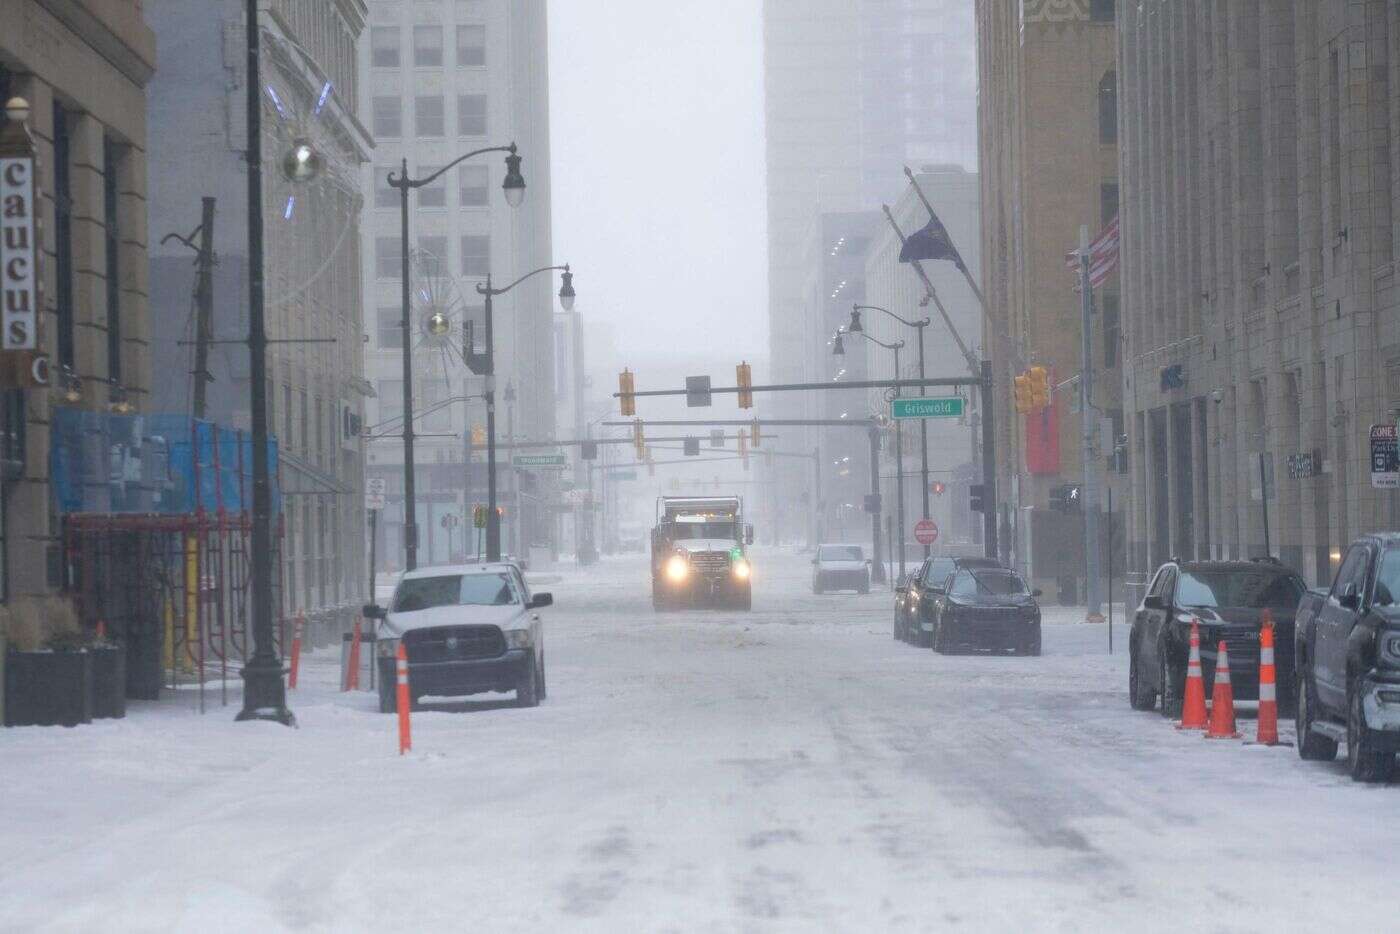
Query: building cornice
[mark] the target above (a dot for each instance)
(118, 33)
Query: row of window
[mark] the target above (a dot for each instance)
(475, 252)
(319, 420)
(385, 46)
(429, 116)
(473, 187)
(430, 398)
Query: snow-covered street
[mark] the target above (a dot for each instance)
(790, 769)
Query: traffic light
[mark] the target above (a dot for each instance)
(744, 447)
(478, 435)
(744, 374)
(753, 434)
(975, 494)
(626, 385)
(639, 439)
(1023, 393)
(692, 447)
(651, 464)
(1040, 387)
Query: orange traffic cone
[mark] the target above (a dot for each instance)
(1193, 706)
(1222, 701)
(1267, 734)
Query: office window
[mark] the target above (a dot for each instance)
(304, 435)
(390, 328)
(436, 247)
(427, 46)
(428, 116)
(471, 46)
(475, 181)
(388, 117)
(471, 114)
(286, 438)
(388, 257)
(476, 256)
(110, 164)
(63, 232)
(1101, 11)
(384, 196)
(1108, 203)
(320, 431)
(1108, 108)
(434, 195)
(1111, 333)
(384, 46)
(390, 392)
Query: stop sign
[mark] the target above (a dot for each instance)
(926, 532)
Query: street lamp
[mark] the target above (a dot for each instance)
(896, 347)
(923, 422)
(514, 188)
(566, 299)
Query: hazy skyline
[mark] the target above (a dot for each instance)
(657, 142)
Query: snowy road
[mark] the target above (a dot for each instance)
(790, 769)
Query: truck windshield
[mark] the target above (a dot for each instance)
(1388, 579)
(685, 530)
(424, 593)
(1235, 588)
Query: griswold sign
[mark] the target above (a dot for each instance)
(19, 274)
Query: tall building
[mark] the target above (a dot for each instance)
(854, 91)
(444, 79)
(1048, 131)
(1262, 321)
(310, 78)
(84, 72)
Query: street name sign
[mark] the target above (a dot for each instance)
(945, 407)
(622, 475)
(540, 461)
(376, 489)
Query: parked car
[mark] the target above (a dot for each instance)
(466, 629)
(840, 567)
(915, 598)
(987, 608)
(1227, 599)
(1347, 642)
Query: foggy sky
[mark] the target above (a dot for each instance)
(656, 117)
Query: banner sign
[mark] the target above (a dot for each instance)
(19, 279)
(1385, 457)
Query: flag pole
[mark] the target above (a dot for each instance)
(962, 267)
(973, 364)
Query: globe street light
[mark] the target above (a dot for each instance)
(514, 188)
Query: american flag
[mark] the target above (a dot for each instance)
(1103, 257)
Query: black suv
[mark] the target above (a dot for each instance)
(914, 598)
(1228, 599)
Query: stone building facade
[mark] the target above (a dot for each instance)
(83, 66)
(1048, 131)
(1261, 179)
(314, 302)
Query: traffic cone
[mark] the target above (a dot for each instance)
(1193, 706)
(1267, 734)
(1222, 701)
(405, 700)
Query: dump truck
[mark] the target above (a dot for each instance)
(698, 553)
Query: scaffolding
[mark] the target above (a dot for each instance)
(157, 525)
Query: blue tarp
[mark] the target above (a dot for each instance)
(105, 463)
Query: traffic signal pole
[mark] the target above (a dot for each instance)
(989, 466)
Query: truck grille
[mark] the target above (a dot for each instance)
(453, 643)
(710, 562)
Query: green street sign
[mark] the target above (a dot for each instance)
(622, 475)
(540, 461)
(947, 407)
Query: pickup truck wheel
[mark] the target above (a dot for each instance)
(1364, 762)
(527, 689)
(1313, 747)
(1140, 697)
(1173, 682)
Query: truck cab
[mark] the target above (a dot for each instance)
(699, 553)
(1348, 651)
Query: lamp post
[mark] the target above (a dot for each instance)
(839, 349)
(566, 299)
(517, 541)
(918, 326)
(514, 188)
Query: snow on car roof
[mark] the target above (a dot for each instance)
(439, 570)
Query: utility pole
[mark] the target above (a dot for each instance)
(1088, 425)
(876, 546)
(989, 465)
(204, 307)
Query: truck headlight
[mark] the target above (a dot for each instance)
(677, 569)
(386, 648)
(1389, 648)
(519, 638)
(742, 569)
